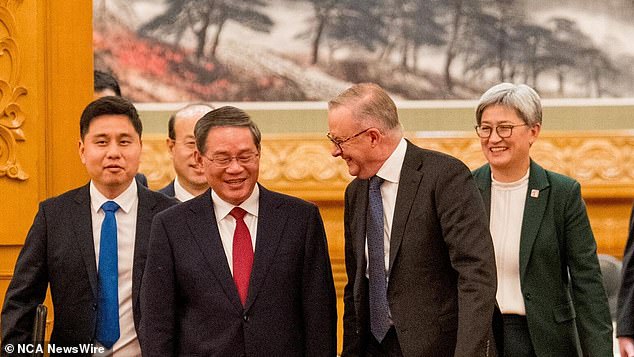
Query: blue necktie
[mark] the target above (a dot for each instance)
(108, 305)
(379, 318)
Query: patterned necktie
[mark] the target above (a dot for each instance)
(379, 318)
(108, 305)
(242, 254)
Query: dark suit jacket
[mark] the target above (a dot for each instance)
(625, 322)
(189, 302)
(442, 277)
(168, 190)
(59, 250)
(141, 179)
(559, 269)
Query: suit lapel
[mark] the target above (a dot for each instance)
(145, 213)
(534, 209)
(271, 220)
(359, 197)
(409, 182)
(202, 223)
(82, 225)
(483, 179)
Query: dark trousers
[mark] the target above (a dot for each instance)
(517, 339)
(389, 347)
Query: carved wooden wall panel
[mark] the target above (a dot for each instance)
(11, 115)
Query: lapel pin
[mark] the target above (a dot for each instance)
(534, 193)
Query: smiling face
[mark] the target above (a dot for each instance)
(357, 152)
(190, 174)
(509, 157)
(111, 151)
(234, 183)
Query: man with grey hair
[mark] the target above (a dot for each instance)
(419, 257)
(239, 270)
(190, 179)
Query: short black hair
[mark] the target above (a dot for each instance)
(110, 105)
(224, 116)
(104, 80)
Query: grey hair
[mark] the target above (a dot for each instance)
(520, 97)
(369, 103)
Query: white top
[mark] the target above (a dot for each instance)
(180, 193)
(126, 217)
(391, 173)
(507, 214)
(227, 224)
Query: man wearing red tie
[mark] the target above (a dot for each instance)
(239, 270)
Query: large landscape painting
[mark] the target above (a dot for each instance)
(310, 50)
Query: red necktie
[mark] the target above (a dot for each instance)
(242, 254)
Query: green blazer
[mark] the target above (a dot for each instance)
(566, 304)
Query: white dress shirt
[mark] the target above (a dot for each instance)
(227, 224)
(391, 173)
(126, 216)
(507, 215)
(180, 193)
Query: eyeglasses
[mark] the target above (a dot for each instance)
(503, 131)
(339, 142)
(223, 161)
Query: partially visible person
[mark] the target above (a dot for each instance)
(105, 84)
(89, 244)
(190, 178)
(419, 257)
(625, 320)
(550, 289)
(239, 270)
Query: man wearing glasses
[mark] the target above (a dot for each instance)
(238, 270)
(190, 179)
(419, 257)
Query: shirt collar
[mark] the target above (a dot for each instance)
(391, 168)
(251, 204)
(125, 200)
(180, 192)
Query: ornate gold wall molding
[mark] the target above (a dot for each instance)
(603, 162)
(11, 115)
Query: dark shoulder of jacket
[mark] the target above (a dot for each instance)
(287, 200)
(67, 196)
(424, 156)
(163, 200)
(560, 182)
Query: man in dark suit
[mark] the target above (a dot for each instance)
(419, 257)
(190, 179)
(625, 322)
(238, 270)
(92, 256)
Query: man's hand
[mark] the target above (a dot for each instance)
(626, 346)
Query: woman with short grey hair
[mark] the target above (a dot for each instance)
(550, 291)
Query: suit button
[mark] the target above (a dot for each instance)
(528, 296)
(245, 318)
(94, 307)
